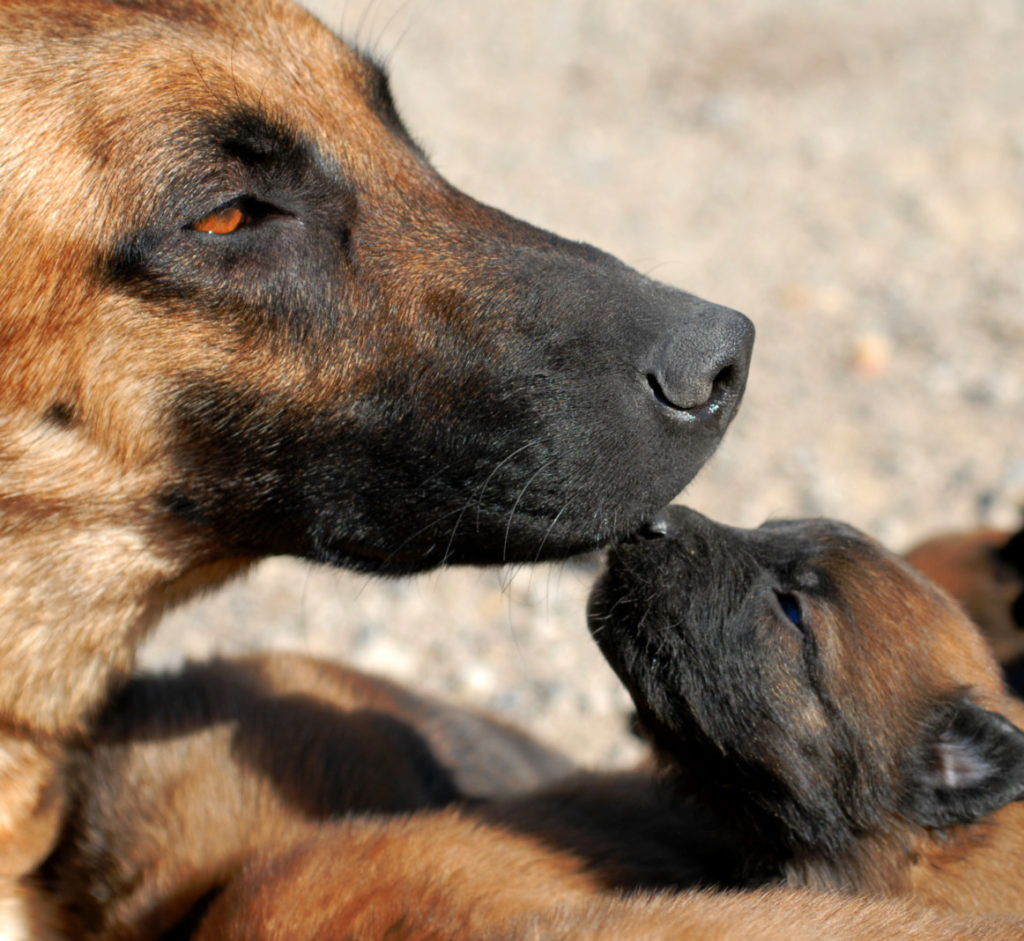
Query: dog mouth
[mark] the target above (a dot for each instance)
(537, 541)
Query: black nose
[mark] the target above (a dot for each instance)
(657, 527)
(670, 522)
(700, 373)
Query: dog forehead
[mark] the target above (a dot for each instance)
(128, 101)
(140, 65)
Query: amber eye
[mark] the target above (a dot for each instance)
(223, 221)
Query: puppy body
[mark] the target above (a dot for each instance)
(189, 775)
(826, 720)
(447, 876)
(269, 798)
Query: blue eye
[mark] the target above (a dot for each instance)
(790, 605)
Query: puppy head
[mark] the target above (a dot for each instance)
(802, 676)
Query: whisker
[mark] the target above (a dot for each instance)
(497, 467)
(515, 506)
(399, 10)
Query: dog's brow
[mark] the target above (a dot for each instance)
(253, 137)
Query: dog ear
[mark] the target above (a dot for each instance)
(970, 765)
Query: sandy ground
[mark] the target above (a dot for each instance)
(849, 175)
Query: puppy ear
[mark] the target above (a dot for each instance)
(970, 765)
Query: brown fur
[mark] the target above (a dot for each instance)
(448, 877)
(199, 771)
(969, 567)
(205, 808)
(819, 745)
(371, 363)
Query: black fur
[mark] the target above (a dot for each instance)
(969, 764)
(762, 708)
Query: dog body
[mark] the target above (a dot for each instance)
(281, 797)
(255, 753)
(445, 876)
(827, 722)
(241, 315)
(984, 571)
(841, 716)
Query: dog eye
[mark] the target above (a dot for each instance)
(232, 216)
(790, 605)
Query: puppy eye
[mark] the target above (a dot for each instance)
(790, 606)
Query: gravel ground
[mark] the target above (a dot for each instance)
(849, 175)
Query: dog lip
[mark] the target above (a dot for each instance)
(371, 558)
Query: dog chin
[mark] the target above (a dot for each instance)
(537, 541)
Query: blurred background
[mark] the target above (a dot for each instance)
(848, 174)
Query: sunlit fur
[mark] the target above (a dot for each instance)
(371, 370)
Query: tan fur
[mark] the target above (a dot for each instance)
(190, 775)
(135, 353)
(79, 543)
(449, 877)
(903, 643)
(966, 566)
(230, 804)
(84, 566)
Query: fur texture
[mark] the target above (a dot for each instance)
(240, 314)
(984, 571)
(840, 715)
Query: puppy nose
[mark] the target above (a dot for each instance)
(657, 527)
(674, 522)
(698, 374)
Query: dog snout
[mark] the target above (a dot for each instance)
(698, 368)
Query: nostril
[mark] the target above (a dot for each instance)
(697, 370)
(724, 382)
(657, 527)
(659, 391)
(694, 394)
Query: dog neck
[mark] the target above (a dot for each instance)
(86, 568)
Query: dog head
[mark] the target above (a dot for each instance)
(240, 309)
(802, 675)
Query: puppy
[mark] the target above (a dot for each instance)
(241, 314)
(840, 716)
(827, 722)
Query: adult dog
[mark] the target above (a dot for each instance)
(240, 314)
